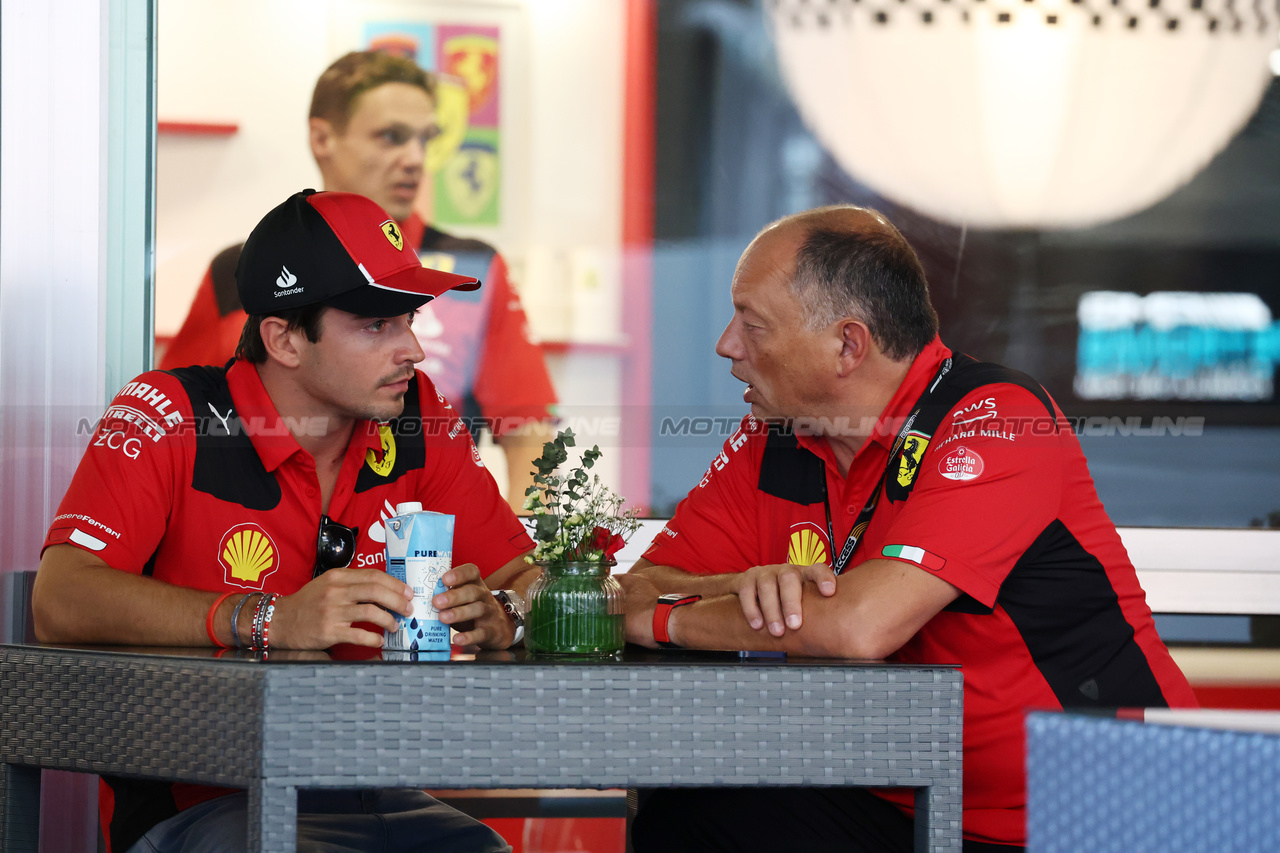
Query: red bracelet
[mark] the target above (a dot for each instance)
(662, 615)
(208, 621)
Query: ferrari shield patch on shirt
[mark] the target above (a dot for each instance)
(382, 467)
(915, 555)
(913, 449)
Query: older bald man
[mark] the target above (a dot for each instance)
(888, 498)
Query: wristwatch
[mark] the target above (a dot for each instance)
(662, 614)
(513, 605)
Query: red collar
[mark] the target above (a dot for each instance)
(922, 369)
(913, 385)
(267, 430)
(413, 228)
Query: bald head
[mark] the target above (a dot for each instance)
(850, 262)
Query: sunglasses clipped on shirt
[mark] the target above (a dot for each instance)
(335, 546)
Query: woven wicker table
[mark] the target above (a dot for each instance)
(496, 721)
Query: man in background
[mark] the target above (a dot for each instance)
(372, 115)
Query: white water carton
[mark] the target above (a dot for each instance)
(419, 552)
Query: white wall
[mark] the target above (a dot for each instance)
(246, 62)
(254, 63)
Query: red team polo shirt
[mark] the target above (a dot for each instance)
(1051, 614)
(222, 513)
(192, 477)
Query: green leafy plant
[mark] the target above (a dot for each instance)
(576, 517)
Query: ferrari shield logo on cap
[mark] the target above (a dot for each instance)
(392, 231)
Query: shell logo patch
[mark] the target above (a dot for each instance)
(912, 452)
(382, 467)
(247, 554)
(391, 231)
(961, 464)
(806, 548)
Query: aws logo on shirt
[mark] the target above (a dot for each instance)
(248, 554)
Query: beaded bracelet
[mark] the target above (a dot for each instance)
(266, 622)
(235, 619)
(208, 620)
(262, 614)
(259, 610)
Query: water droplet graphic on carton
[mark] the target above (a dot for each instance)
(413, 624)
(413, 646)
(419, 633)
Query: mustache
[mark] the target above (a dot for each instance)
(399, 376)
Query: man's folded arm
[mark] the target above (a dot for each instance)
(78, 598)
(878, 606)
(670, 579)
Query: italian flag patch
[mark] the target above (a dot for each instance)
(915, 555)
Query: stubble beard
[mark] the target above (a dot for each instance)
(381, 412)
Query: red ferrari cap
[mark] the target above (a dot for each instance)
(339, 249)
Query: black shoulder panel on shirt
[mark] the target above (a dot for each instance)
(407, 440)
(790, 472)
(969, 375)
(227, 465)
(1064, 606)
(966, 375)
(966, 603)
(223, 273)
(435, 240)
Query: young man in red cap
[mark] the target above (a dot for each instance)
(242, 506)
(372, 115)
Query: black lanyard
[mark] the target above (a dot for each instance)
(864, 517)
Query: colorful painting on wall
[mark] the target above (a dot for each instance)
(465, 160)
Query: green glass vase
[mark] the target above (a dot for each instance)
(575, 610)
